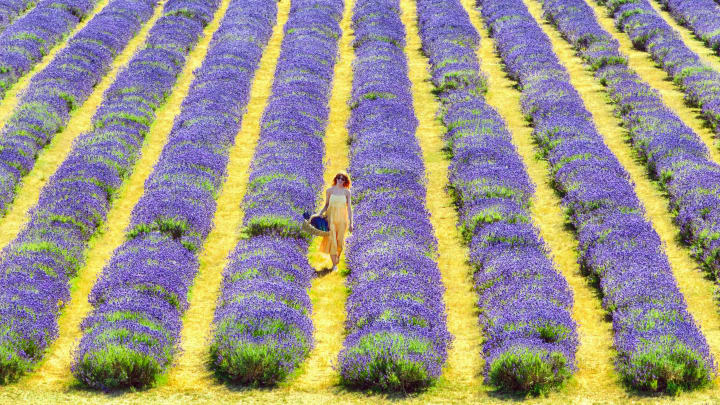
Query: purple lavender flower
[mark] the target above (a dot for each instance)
(649, 32)
(673, 153)
(50, 249)
(31, 37)
(702, 17)
(262, 324)
(12, 9)
(74, 203)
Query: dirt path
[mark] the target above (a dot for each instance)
(327, 293)
(54, 371)
(696, 289)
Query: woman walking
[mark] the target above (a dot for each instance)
(339, 217)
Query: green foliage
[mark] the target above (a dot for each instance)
(273, 225)
(387, 363)
(12, 366)
(118, 367)
(53, 248)
(526, 371)
(666, 366)
(173, 227)
(256, 364)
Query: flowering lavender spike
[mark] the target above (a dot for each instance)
(32, 36)
(702, 17)
(673, 153)
(10, 10)
(66, 83)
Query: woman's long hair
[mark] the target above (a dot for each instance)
(344, 176)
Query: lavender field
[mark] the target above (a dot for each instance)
(536, 198)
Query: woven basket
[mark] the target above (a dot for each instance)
(312, 230)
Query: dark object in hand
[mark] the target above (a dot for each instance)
(318, 222)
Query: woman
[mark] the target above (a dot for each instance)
(339, 217)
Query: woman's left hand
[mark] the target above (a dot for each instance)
(351, 228)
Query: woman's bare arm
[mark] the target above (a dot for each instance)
(349, 209)
(327, 202)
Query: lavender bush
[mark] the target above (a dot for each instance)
(262, 323)
(27, 40)
(524, 303)
(45, 106)
(37, 266)
(660, 348)
(649, 32)
(397, 337)
(672, 152)
(702, 17)
(132, 334)
(12, 9)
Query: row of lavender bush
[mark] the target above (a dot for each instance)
(263, 329)
(133, 332)
(27, 40)
(531, 339)
(648, 31)
(659, 346)
(702, 17)
(45, 106)
(37, 266)
(12, 9)
(397, 336)
(672, 152)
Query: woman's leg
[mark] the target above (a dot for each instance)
(333, 245)
(339, 241)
